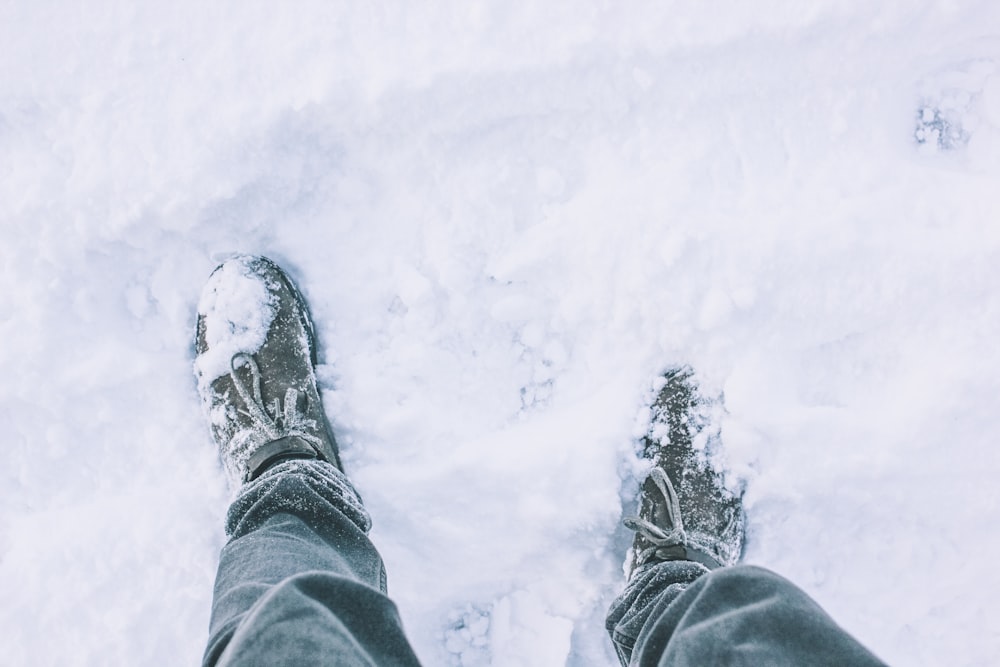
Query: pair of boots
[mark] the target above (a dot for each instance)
(256, 371)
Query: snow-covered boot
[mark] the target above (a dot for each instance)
(256, 369)
(685, 510)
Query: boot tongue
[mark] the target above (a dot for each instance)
(655, 507)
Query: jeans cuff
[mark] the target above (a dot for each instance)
(308, 488)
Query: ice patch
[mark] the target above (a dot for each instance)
(237, 309)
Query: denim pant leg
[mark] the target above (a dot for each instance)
(678, 613)
(299, 582)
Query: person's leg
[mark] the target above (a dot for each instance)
(650, 588)
(299, 583)
(686, 601)
(679, 613)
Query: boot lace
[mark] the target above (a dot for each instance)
(661, 541)
(278, 422)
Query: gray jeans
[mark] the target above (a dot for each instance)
(679, 613)
(299, 583)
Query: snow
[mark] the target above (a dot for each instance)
(237, 309)
(507, 221)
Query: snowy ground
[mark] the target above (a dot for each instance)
(507, 221)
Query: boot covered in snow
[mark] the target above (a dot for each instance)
(256, 370)
(685, 510)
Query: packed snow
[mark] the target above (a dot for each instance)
(237, 309)
(508, 220)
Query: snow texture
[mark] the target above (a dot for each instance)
(508, 219)
(237, 309)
